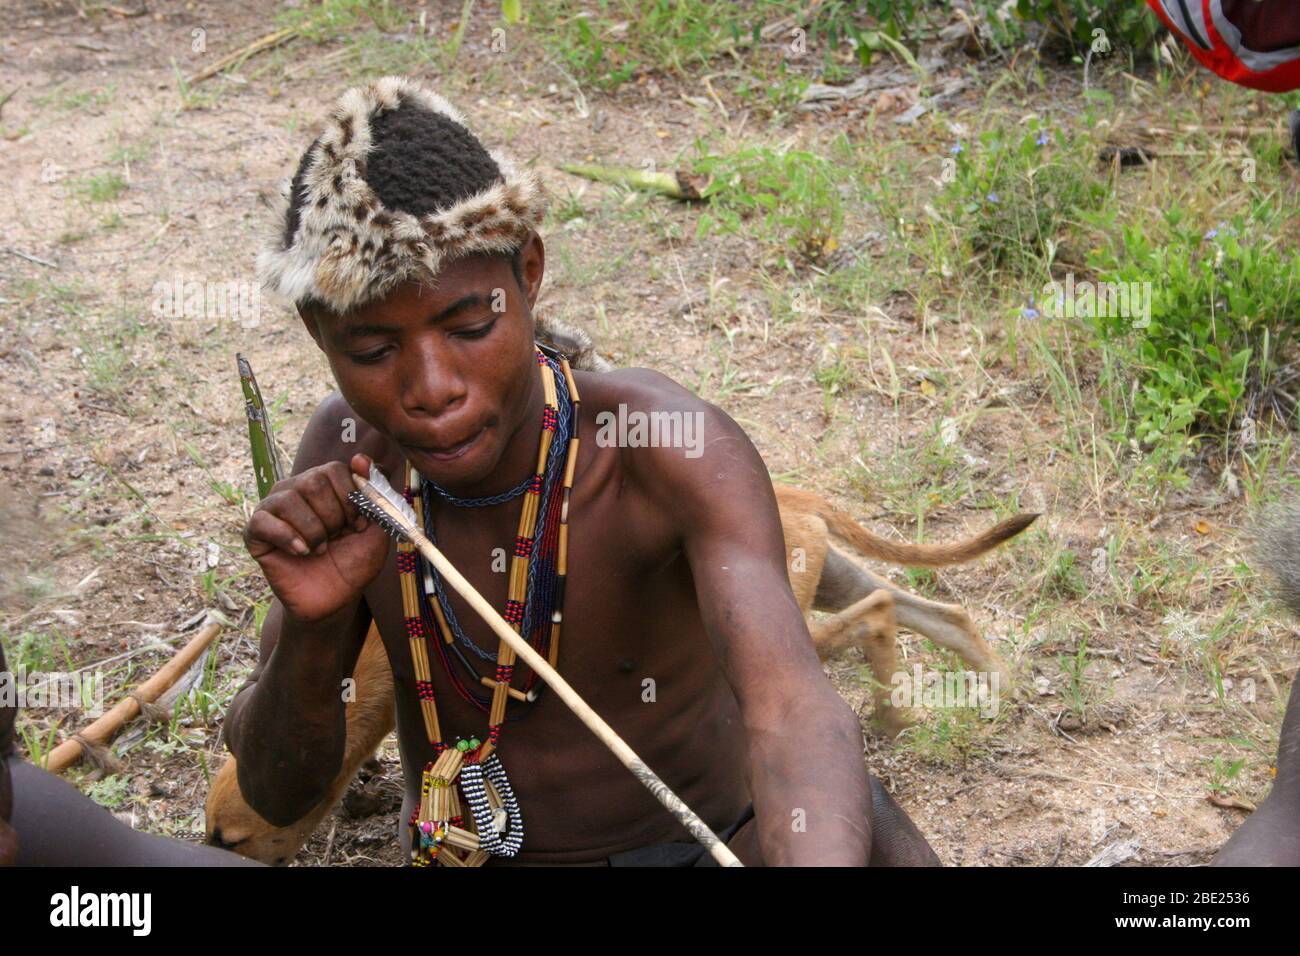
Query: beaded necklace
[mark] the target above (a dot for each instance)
(470, 768)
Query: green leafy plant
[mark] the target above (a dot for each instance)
(1079, 693)
(1073, 23)
(1008, 195)
(37, 746)
(1223, 312)
(788, 197)
(1224, 773)
(110, 792)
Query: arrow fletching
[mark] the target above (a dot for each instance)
(380, 502)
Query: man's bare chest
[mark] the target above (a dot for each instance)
(630, 619)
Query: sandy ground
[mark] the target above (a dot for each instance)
(123, 431)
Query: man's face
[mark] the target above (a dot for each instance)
(447, 371)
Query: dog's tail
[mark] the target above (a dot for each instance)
(1279, 551)
(872, 545)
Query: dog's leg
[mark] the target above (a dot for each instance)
(869, 624)
(806, 542)
(844, 581)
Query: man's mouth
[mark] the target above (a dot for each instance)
(448, 452)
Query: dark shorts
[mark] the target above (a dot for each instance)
(678, 854)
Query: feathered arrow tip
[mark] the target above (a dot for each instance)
(380, 502)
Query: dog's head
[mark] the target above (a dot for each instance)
(233, 825)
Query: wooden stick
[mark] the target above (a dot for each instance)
(101, 731)
(626, 755)
(243, 53)
(513, 692)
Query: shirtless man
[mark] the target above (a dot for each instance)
(677, 570)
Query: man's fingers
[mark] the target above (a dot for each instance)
(294, 509)
(341, 478)
(307, 510)
(321, 490)
(266, 532)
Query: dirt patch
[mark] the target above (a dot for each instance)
(125, 449)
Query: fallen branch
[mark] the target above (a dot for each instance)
(31, 258)
(243, 53)
(102, 730)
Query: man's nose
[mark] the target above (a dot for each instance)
(432, 383)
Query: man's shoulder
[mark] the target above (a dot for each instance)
(640, 389)
(664, 432)
(336, 432)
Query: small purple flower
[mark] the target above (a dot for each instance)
(1042, 138)
(1030, 312)
(959, 148)
(993, 198)
(1211, 234)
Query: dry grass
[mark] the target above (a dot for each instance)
(884, 370)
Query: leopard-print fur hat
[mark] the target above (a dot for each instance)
(339, 246)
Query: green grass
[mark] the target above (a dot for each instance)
(36, 743)
(369, 38)
(607, 43)
(789, 201)
(1080, 691)
(102, 188)
(63, 100)
(1010, 194)
(109, 364)
(43, 650)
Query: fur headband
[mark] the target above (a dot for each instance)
(348, 249)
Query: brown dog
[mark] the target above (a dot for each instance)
(866, 610)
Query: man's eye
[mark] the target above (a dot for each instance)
(370, 358)
(477, 332)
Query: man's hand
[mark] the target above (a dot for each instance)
(317, 550)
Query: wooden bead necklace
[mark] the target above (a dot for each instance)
(470, 768)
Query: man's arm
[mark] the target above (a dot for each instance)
(286, 726)
(58, 825)
(806, 774)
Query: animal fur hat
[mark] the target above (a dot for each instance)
(344, 248)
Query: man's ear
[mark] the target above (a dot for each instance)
(534, 267)
(310, 323)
